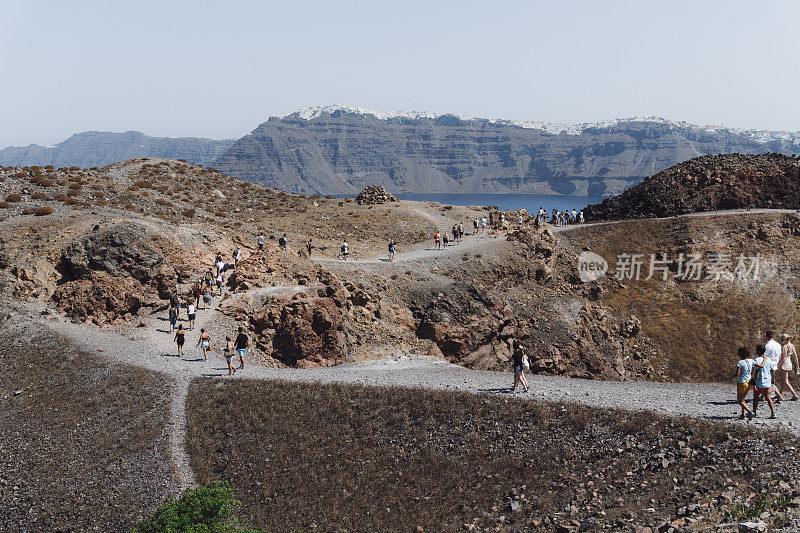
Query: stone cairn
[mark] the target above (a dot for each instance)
(375, 194)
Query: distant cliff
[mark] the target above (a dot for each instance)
(338, 149)
(100, 148)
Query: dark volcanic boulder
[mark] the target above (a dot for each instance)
(113, 272)
(708, 183)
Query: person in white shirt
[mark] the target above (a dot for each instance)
(773, 351)
(260, 242)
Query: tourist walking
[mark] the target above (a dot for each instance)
(175, 301)
(437, 240)
(191, 314)
(282, 241)
(206, 297)
(521, 362)
(763, 367)
(773, 349)
(309, 247)
(788, 359)
(228, 353)
(237, 256)
(242, 343)
(744, 373)
(180, 339)
(260, 241)
(220, 280)
(204, 342)
(392, 250)
(196, 288)
(173, 318)
(345, 249)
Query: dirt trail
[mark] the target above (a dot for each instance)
(423, 252)
(153, 348)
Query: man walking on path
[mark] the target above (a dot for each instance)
(437, 240)
(260, 242)
(282, 241)
(242, 342)
(773, 350)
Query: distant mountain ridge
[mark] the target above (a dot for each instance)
(99, 148)
(341, 149)
(760, 136)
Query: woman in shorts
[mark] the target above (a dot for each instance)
(520, 360)
(229, 355)
(744, 369)
(180, 339)
(173, 318)
(788, 355)
(191, 313)
(206, 297)
(204, 342)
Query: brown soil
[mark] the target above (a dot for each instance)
(697, 327)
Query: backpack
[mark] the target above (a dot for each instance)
(756, 373)
(173, 300)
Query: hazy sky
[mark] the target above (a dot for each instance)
(218, 69)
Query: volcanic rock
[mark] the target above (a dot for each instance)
(374, 194)
(708, 183)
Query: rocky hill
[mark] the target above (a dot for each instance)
(100, 148)
(708, 183)
(339, 149)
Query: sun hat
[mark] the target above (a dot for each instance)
(785, 336)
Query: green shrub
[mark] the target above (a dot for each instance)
(209, 509)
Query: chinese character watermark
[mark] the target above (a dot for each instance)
(688, 266)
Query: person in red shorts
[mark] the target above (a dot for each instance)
(763, 367)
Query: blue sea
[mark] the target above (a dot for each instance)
(530, 202)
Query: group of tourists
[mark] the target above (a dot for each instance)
(559, 218)
(771, 365)
(200, 293)
(457, 232)
(204, 339)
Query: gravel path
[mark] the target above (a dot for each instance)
(469, 242)
(152, 347)
(149, 347)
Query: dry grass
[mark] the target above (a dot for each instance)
(369, 459)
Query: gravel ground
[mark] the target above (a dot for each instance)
(82, 442)
(154, 350)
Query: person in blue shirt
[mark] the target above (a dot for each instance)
(744, 372)
(764, 367)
